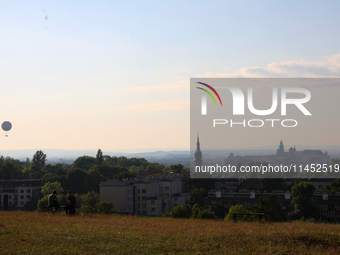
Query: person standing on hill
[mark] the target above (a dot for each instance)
(53, 201)
(71, 203)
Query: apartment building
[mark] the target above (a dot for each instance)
(120, 193)
(19, 192)
(145, 190)
(151, 196)
(180, 199)
(247, 199)
(171, 186)
(248, 193)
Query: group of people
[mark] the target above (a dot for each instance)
(70, 205)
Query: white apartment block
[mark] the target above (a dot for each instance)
(170, 186)
(19, 191)
(151, 196)
(120, 193)
(180, 199)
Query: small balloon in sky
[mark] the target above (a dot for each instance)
(6, 126)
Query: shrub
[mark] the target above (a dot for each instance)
(195, 211)
(207, 214)
(198, 212)
(239, 209)
(181, 211)
(106, 208)
(89, 202)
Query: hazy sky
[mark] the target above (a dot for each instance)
(116, 74)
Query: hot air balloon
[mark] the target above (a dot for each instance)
(6, 126)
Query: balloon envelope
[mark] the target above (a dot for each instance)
(6, 126)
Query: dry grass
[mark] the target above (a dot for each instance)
(40, 233)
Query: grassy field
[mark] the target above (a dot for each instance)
(42, 233)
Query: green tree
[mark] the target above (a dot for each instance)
(50, 177)
(197, 196)
(10, 169)
(35, 172)
(76, 180)
(271, 208)
(39, 159)
(239, 209)
(99, 157)
(26, 173)
(304, 206)
(334, 186)
(32, 204)
(50, 186)
(89, 201)
(42, 203)
(154, 167)
(84, 162)
(110, 171)
(124, 175)
(123, 161)
(180, 211)
(27, 163)
(198, 212)
(2, 161)
(177, 168)
(92, 181)
(195, 211)
(207, 214)
(219, 210)
(134, 170)
(61, 169)
(106, 208)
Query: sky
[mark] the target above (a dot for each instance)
(115, 75)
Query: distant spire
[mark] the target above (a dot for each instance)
(281, 148)
(198, 153)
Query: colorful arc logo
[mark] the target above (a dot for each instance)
(213, 90)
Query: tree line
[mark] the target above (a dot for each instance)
(83, 176)
(86, 172)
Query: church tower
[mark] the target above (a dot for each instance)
(281, 149)
(198, 153)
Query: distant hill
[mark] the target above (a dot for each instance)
(162, 156)
(166, 157)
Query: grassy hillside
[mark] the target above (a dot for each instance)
(37, 233)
